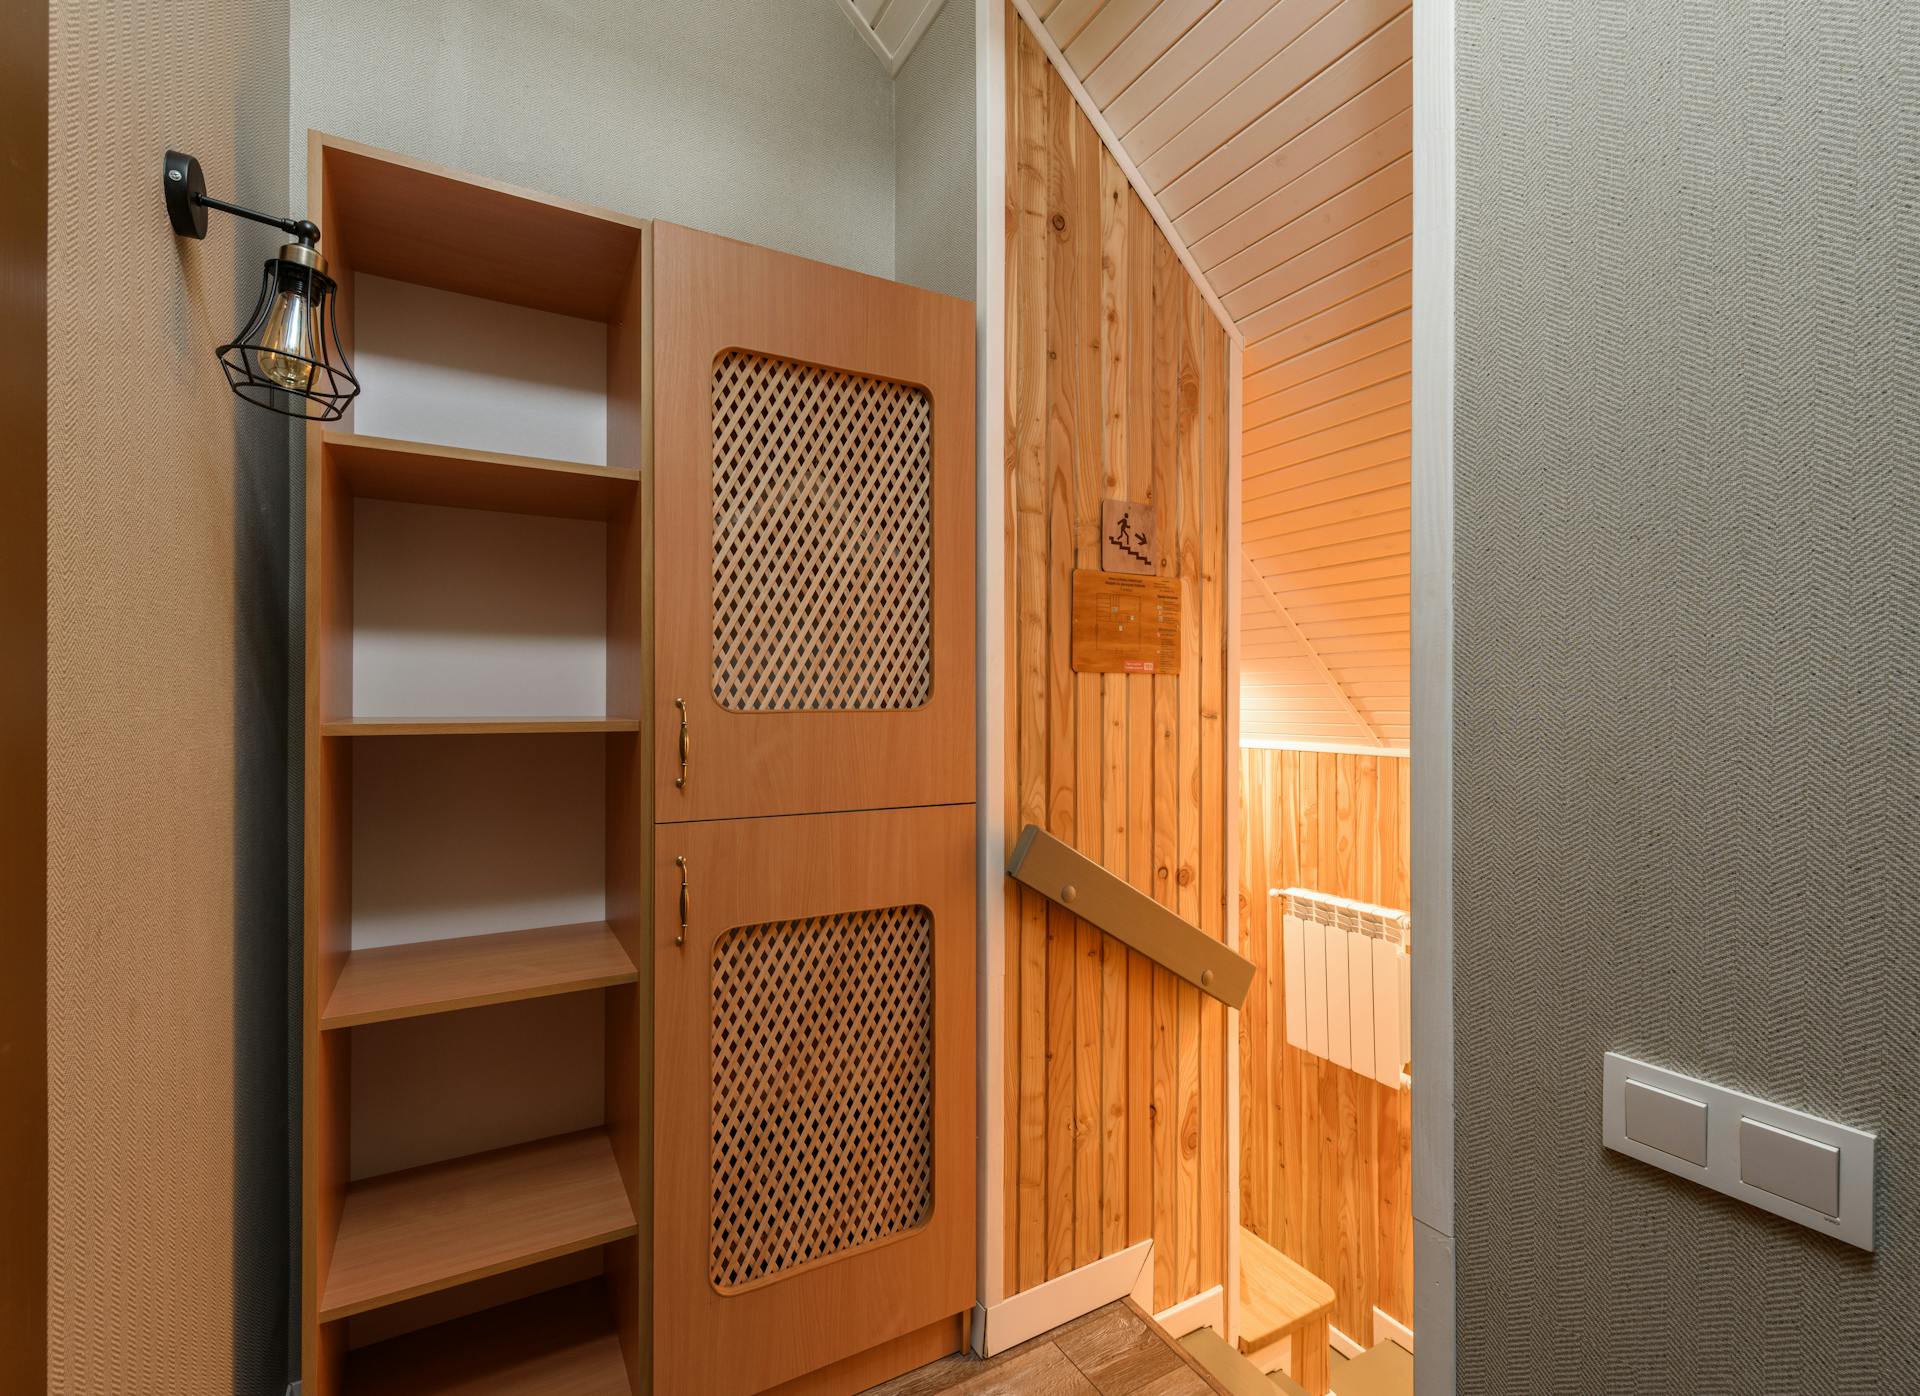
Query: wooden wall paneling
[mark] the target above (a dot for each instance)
(1191, 506)
(1142, 236)
(1116, 376)
(1213, 784)
(1074, 440)
(1027, 272)
(1115, 198)
(1277, 140)
(1329, 1181)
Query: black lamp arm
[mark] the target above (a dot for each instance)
(188, 202)
(305, 231)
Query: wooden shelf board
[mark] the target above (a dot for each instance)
(560, 1343)
(444, 976)
(414, 472)
(412, 221)
(425, 1229)
(472, 726)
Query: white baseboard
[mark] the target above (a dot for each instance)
(1342, 1344)
(1064, 1298)
(1387, 1329)
(1207, 1309)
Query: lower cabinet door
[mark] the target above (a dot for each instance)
(813, 1090)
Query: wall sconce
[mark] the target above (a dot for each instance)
(287, 358)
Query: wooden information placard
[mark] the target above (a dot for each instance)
(1125, 624)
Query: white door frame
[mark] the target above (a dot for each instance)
(990, 689)
(1435, 1365)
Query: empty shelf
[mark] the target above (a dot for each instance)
(444, 976)
(426, 1229)
(560, 1343)
(471, 726)
(415, 472)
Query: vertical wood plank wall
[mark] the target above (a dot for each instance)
(1117, 387)
(1325, 1153)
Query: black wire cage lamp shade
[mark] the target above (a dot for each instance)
(288, 357)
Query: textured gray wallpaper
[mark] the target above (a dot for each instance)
(934, 158)
(764, 120)
(1688, 645)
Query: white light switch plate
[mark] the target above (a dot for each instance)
(1725, 1110)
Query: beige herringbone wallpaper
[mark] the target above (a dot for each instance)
(146, 456)
(1687, 737)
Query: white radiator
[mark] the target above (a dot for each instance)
(1346, 971)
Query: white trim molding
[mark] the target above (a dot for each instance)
(1434, 235)
(1009, 1323)
(1388, 1329)
(1337, 748)
(990, 688)
(1207, 1309)
(891, 30)
(1091, 110)
(1342, 1344)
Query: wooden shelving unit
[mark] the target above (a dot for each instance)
(560, 1343)
(425, 1229)
(445, 976)
(375, 1242)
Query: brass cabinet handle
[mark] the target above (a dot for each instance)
(686, 901)
(686, 745)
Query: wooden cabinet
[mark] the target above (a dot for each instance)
(814, 510)
(814, 1090)
(553, 1141)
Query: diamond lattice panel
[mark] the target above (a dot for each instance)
(822, 1088)
(822, 538)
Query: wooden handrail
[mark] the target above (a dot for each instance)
(1089, 891)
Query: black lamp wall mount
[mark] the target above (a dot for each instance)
(288, 357)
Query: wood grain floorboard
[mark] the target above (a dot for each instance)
(1113, 1351)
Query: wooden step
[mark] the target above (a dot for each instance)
(1278, 1296)
(560, 1343)
(444, 976)
(1227, 1367)
(426, 1229)
(1385, 1369)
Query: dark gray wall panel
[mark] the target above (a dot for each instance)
(1687, 792)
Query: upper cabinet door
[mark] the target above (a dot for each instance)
(813, 536)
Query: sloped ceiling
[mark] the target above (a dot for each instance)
(1277, 137)
(891, 27)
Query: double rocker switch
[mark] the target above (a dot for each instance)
(1816, 1172)
(1787, 1165)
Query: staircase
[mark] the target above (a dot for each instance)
(1387, 1370)
(1232, 1370)
(1284, 1310)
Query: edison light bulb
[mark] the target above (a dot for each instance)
(286, 341)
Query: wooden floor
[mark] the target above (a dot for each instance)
(1114, 1351)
